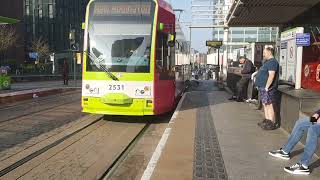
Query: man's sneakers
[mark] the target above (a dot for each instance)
(280, 154)
(268, 125)
(297, 169)
(262, 122)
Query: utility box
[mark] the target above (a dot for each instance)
(5, 80)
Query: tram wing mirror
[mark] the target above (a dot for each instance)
(171, 40)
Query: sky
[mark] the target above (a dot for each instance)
(199, 36)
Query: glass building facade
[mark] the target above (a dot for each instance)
(248, 34)
(52, 20)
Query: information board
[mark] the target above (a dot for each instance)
(289, 57)
(122, 8)
(215, 44)
(303, 39)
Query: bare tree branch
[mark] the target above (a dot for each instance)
(41, 47)
(8, 37)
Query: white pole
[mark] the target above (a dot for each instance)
(299, 62)
(225, 52)
(299, 68)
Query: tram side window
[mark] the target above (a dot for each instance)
(159, 61)
(162, 59)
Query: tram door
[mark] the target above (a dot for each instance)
(164, 75)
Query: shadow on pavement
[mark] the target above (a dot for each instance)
(315, 164)
(296, 153)
(164, 118)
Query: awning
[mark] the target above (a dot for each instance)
(6, 20)
(266, 12)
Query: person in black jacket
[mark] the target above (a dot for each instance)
(242, 86)
(65, 72)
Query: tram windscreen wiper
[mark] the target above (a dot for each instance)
(96, 61)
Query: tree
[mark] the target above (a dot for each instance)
(41, 47)
(8, 38)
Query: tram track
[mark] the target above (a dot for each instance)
(110, 171)
(34, 112)
(39, 152)
(12, 113)
(120, 135)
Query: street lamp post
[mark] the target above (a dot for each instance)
(73, 48)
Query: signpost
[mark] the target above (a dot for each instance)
(73, 48)
(33, 55)
(214, 44)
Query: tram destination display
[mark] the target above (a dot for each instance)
(122, 8)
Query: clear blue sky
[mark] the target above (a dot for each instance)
(199, 36)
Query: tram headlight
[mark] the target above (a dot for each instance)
(149, 103)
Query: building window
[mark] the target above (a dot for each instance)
(27, 10)
(50, 11)
(40, 12)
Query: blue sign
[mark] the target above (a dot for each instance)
(303, 39)
(33, 56)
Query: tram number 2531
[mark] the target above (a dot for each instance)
(116, 87)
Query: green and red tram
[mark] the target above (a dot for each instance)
(129, 58)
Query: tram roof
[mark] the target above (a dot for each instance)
(165, 5)
(266, 12)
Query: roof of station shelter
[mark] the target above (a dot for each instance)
(6, 20)
(266, 12)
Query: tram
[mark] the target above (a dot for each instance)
(129, 65)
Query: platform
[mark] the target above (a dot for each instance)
(29, 90)
(210, 137)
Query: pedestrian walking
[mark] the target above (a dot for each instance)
(240, 93)
(311, 126)
(209, 74)
(65, 72)
(267, 83)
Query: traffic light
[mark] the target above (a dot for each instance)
(74, 47)
(72, 38)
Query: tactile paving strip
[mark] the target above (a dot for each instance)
(208, 161)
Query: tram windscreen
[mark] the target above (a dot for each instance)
(119, 35)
